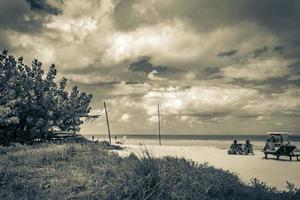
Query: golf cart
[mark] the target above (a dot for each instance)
(278, 144)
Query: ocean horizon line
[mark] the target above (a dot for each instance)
(167, 134)
(192, 137)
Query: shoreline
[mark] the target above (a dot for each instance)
(220, 144)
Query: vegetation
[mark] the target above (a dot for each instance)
(32, 103)
(90, 171)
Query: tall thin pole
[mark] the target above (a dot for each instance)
(158, 116)
(107, 122)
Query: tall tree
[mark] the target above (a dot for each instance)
(32, 103)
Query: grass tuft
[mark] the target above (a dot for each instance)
(91, 171)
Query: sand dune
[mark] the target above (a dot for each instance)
(273, 172)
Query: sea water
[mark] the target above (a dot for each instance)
(219, 141)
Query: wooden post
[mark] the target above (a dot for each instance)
(107, 122)
(158, 116)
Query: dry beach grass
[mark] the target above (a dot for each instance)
(91, 171)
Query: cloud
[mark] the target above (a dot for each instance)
(16, 15)
(144, 65)
(43, 5)
(211, 103)
(212, 65)
(131, 82)
(259, 70)
(205, 101)
(278, 48)
(227, 53)
(260, 51)
(206, 14)
(262, 118)
(279, 18)
(164, 43)
(125, 117)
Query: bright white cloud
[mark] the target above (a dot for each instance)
(88, 78)
(125, 117)
(169, 40)
(259, 69)
(286, 103)
(196, 100)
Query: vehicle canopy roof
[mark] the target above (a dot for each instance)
(279, 133)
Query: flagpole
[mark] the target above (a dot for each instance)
(107, 122)
(158, 116)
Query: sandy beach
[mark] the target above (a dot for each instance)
(273, 172)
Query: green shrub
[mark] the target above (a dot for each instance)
(32, 103)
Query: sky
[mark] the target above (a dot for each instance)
(215, 67)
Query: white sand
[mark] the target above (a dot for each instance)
(272, 172)
(221, 144)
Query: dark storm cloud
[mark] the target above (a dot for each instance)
(227, 53)
(20, 16)
(280, 17)
(16, 15)
(42, 5)
(98, 73)
(278, 48)
(212, 70)
(131, 82)
(258, 52)
(144, 65)
(109, 83)
(208, 115)
(274, 85)
(210, 73)
(23, 17)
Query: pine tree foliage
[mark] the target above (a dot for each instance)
(32, 103)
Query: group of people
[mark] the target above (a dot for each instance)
(236, 148)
